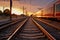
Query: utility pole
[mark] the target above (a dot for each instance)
(54, 7)
(23, 6)
(30, 4)
(26, 13)
(54, 10)
(10, 9)
(3, 5)
(3, 8)
(23, 9)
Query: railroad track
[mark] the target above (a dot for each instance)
(4, 23)
(50, 24)
(31, 30)
(7, 30)
(53, 30)
(8, 23)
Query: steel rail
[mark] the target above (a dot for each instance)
(44, 31)
(17, 29)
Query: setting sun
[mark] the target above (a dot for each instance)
(17, 11)
(38, 13)
(14, 10)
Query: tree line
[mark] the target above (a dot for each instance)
(6, 12)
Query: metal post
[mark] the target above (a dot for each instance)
(23, 9)
(30, 4)
(26, 12)
(53, 10)
(3, 5)
(54, 7)
(3, 8)
(41, 13)
(10, 9)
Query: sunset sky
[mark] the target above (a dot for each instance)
(33, 6)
